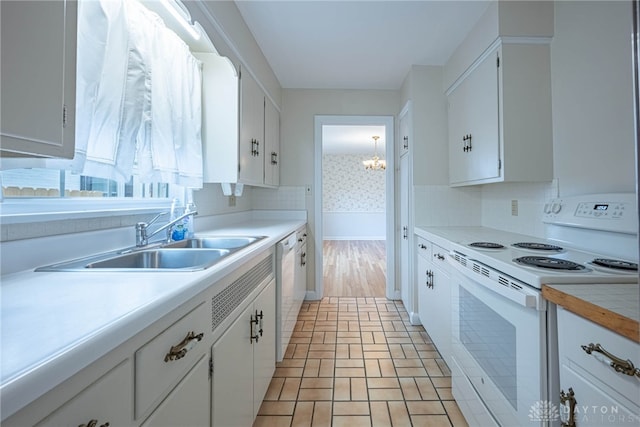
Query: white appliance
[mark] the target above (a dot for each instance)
(286, 314)
(503, 347)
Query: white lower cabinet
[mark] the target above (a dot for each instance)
(434, 295)
(593, 391)
(106, 402)
(244, 362)
(188, 404)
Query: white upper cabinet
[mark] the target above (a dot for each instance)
(38, 78)
(500, 118)
(499, 96)
(474, 141)
(240, 126)
(271, 144)
(251, 144)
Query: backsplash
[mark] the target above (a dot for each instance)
(348, 187)
(441, 206)
(486, 205)
(281, 198)
(531, 197)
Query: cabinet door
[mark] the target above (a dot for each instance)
(441, 312)
(188, 404)
(423, 267)
(594, 406)
(233, 375)
(474, 139)
(405, 268)
(108, 400)
(251, 143)
(272, 144)
(38, 78)
(264, 351)
(405, 130)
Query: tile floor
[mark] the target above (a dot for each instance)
(359, 362)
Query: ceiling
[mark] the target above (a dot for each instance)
(358, 44)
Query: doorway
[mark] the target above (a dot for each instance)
(354, 206)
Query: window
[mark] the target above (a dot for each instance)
(39, 182)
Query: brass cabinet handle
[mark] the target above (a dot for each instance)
(179, 351)
(94, 423)
(274, 158)
(619, 365)
(406, 142)
(439, 256)
(422, 246)
(571, 400)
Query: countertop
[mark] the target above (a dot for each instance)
(56, 323)
(613, 306)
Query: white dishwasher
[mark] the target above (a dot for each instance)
(286, 315)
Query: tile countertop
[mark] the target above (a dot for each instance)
(53, 324)
(613, 306)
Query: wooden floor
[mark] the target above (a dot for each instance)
(354, 268)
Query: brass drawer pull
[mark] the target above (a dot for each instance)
(569, 398)
(94, 423)
(622, 366)
(179, 351)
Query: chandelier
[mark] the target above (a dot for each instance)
(375, 163)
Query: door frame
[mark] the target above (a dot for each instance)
(388, 123)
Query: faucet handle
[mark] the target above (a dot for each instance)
(155, 218)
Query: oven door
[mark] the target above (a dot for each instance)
(499, 365)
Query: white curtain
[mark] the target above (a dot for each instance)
(139, 97)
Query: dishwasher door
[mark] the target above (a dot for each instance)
(286, 315)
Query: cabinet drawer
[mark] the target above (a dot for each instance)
(157, 370)
(423, 247)
(575, 331)
(108, 400)
(439, 257)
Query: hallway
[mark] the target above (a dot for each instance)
(358, 362)
(354, 268)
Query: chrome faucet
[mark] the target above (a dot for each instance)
(142, 235)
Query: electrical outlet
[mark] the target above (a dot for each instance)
(514, 208)
(232, 201)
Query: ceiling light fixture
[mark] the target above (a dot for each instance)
(375, 163)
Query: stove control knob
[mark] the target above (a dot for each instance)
(556, 208)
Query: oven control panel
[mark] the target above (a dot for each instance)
(607, 212)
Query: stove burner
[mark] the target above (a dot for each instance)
(537, 246)
(549, 262)
(616, 264)
(486, 245)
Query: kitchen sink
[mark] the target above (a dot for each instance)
(173, 259)
(197, 253)
(216, 242)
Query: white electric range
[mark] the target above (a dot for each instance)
(503, 343)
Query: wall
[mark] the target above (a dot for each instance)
(594, 148)
(299, 107)
(353, 199)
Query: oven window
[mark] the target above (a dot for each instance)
(491, 340)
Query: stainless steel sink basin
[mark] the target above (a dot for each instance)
(173, 259)
(197, 253)
(216, 242)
